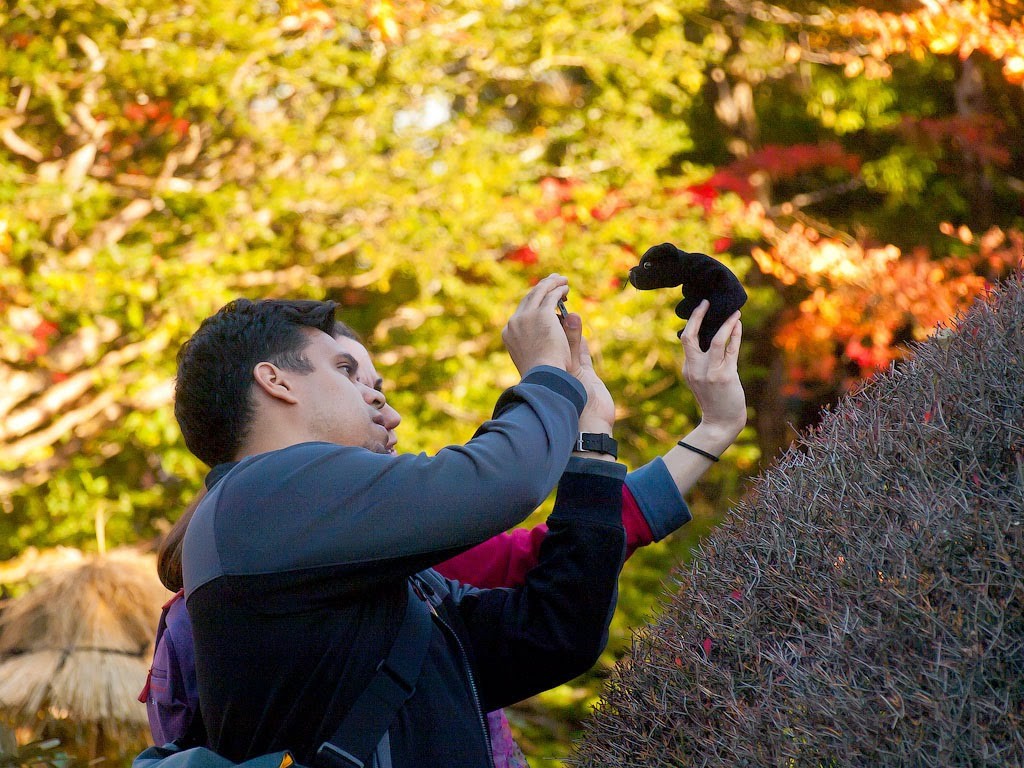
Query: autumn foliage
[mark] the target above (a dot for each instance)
(865, 303)
(944, 27)
(857, 165)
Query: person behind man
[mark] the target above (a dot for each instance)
(297, 560)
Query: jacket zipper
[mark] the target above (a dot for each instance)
(464, 659)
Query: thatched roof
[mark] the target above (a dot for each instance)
(32, 562)
(79, 644)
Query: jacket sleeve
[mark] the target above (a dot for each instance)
(503, 561)
(554, 627)
(638, 531)
(657, 499)
(346, 506)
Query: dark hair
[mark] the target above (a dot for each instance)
(212, 394)
(345, 330)
(168, 557)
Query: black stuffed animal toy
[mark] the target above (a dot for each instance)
(701, 276)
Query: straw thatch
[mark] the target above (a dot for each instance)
(78, 645)
(32, 562)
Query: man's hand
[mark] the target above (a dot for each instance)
(534, 335)
(713, 375)
(599, 413)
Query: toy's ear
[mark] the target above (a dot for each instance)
(274, 382)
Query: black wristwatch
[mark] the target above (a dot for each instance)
(598, 442)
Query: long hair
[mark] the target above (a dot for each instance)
(168, 557)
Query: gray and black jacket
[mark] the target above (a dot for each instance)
(296, 564)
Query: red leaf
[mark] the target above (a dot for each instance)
(180, 127)
(706, 645)
(44, 330)
(612, 204)
(736, 595)
(704, 195)
(547, 212)
(135, 112)
(556, 190)
(729, 181)
(524, 254)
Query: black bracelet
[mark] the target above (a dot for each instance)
(703, 453)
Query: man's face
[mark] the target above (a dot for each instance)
(338, 407)
(366, 374)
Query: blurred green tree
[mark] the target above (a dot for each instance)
(422, 163)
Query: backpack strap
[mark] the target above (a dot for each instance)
(394, 682)
(432, 586)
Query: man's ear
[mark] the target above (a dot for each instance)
(274, 381)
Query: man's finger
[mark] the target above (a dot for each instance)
(556, 293)
(532, 296)
(585, 350)
(543, 289)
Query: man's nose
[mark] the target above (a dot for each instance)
(391, 417)
(374, 397)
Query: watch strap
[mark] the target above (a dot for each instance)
(599, 442)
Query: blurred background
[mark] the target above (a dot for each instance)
(859, 167)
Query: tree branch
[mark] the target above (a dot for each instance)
(17, 385)
(39, 472)
(58, 396)
(811, 198)
(18, 145)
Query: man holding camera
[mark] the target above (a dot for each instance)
(313, 540)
